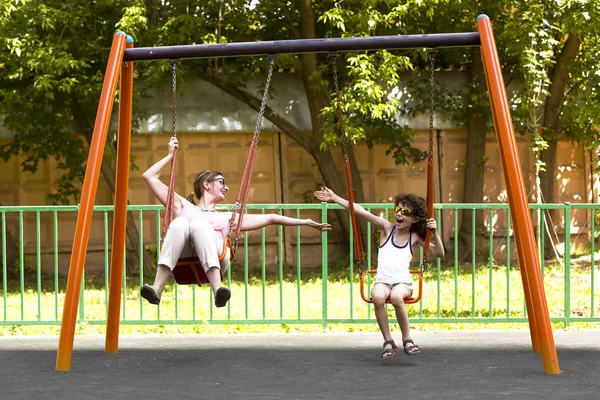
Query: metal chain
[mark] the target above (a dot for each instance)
(361, 260)
(170, 194)
(432, 53)
(263, 103)
(174, 68)
(256, 135)
(341, 127)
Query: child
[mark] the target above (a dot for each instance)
(396, 245)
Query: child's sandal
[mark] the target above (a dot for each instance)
(410, 347)
(386, 354)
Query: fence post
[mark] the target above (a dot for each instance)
(567, 251)
(324, 266)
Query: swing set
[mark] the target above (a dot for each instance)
(120, 67)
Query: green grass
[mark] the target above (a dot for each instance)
(490, 295)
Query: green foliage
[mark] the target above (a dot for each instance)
(307, 195)
(538, 40)
(52, 59)
(17, 267)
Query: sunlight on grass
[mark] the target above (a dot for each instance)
(492, 299)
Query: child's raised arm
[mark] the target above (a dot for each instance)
(328, 195)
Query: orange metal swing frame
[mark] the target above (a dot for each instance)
(121, 66)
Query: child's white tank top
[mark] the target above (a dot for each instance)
(393, 261)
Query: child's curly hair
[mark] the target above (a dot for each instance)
(419, 211)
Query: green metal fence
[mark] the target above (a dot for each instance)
(478, 286)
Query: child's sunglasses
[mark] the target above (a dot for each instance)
(403, 211)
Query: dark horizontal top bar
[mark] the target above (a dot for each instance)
(466, 39)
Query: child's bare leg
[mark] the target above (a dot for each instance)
(399, 293)
(379, 294)
(382, 320)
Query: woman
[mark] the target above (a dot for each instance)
(396, 244)
(199, 229)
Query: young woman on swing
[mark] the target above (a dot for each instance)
(200, 230)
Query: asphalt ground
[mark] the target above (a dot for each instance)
(451, 365)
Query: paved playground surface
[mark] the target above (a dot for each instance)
(451, 365)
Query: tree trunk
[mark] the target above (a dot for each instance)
(559, 77)
(109, 173)
(317, 100)
(475, 166)
(324, 159)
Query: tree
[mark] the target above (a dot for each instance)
(467, 106)
(55, 55)
(365, 79)
(558, 51)
(52, 63)
(545, 45)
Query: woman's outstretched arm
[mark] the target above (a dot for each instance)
(257, 221)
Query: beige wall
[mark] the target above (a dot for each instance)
(284, 175)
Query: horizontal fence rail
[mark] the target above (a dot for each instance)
(293, 275)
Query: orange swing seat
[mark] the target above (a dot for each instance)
(407, 300)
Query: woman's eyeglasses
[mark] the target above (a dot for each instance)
(403, 210)
(222, 180)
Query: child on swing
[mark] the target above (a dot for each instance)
(396, 244)
(200, 230)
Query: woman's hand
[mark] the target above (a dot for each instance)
(319, 226)
(431, 225)
(173, 144)
(324, 194)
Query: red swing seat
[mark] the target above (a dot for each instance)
(189, 271)
(407, 300)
